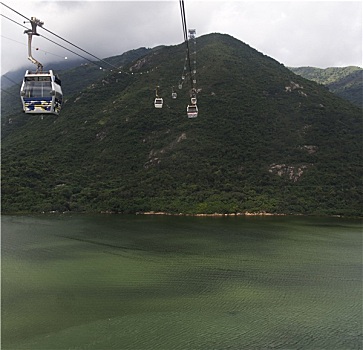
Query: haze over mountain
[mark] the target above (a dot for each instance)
(265, 140)
(16, 76)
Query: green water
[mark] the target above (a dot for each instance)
(142, 282)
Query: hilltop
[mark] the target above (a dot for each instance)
(265, 140)
(345, 82)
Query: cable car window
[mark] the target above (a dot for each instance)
(57, 81)
(46, 78)
(37, 88)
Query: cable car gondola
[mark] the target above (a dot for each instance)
(41, 92)
(173, 93)
(192, 111)
(158, 102)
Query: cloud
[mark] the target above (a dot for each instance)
(296, 33)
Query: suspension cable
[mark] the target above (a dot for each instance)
(182, 12)
(68, 49)
(14, 11)
(11, 80)
(100, 59)
(79, 48)
(13, 21)
(21, 43)
(186, 49)
(51, 41)
(184, 24)
(9, 93)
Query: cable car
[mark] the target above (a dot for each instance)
(192, 111)
(158, 102)
(41, 93)
(193, 100)
(173, 93)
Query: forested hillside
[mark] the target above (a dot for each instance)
(346, 82)
(265, 139)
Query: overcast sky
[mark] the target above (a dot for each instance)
(296, 33)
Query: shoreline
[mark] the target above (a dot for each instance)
(262, 213)
(162, 213)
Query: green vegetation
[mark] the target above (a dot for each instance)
(265, 140)
(346, 82)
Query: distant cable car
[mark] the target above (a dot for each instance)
(158, 103)
(192, 111)
(173, 93)
(41, 93)
(193, 100)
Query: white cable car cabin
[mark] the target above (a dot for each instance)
(41, 93)
(158, 103)
(192, 111)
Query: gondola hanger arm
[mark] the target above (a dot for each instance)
(34, 23)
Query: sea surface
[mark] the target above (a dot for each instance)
(162, 282)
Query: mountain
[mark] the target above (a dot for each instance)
(265, 139)
(346, 82)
